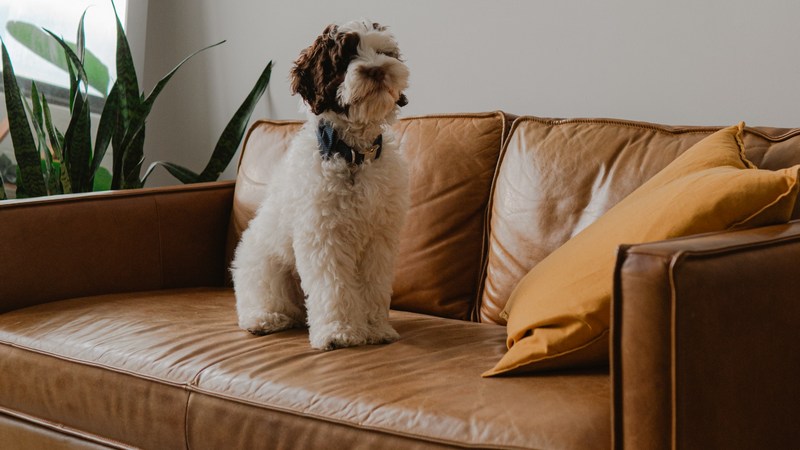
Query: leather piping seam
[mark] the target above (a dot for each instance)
(63, 429)
(186, 435)
(678, 130)
(679, 256)
(615, 356)
(113, 195)
(281, 409)
(488, 217)
(475, 313)
(721, 250)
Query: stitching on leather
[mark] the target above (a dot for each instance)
(186, 419)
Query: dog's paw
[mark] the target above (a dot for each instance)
(347, 337)
(337, 336)
(340, 339)
(382, 334)
(267, 323)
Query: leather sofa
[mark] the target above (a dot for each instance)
(118, 325)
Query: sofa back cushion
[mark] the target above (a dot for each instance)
(556, 177)
(452, 162)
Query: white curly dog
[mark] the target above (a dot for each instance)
(333, 213)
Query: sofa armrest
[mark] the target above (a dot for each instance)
(705, 341)
(120, 241)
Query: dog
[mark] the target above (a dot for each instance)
(333, 214)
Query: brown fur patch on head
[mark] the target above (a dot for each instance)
(320, 69)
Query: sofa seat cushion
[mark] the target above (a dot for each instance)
(170, 369)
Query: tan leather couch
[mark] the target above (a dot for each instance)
(118, 326)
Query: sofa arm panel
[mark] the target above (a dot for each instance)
(705, 341)
(90, 244)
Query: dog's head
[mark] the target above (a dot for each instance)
(352, 70)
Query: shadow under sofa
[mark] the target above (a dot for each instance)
(118, 325)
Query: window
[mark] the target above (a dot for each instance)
(62, 18)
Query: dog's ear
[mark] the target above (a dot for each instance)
(320, 69)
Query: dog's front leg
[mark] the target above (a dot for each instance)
(376, 270)
(327, 265)
(267, 297)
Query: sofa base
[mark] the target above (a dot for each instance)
(27, 433)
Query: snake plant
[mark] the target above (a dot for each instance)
(51, 162)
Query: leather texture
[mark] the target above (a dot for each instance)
(167, 369)
(112, 242)
(558, 176)
(25, 434)
(452, 161)
(704, 341)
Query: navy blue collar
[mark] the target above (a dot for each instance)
(330, 145)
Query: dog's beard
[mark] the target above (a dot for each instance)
(372, 88)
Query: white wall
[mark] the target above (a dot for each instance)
(711, 62)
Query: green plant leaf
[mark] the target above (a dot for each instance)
(126, 75)
(57, 145)
(21, 137)
(78, 146)
(233, 133)
(97, 72)
(36, 40)
(132, 160)
(102, 180)
(183, 174)
(128, 138)
(3, 195)
(72, 58)
(37, 115)
(105, 129)
(80, 39)
(37, 119)
(116, 155)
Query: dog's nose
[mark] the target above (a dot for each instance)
(375, 73)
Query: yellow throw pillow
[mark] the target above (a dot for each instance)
(559, 313)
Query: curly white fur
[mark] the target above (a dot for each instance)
(335, 225)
